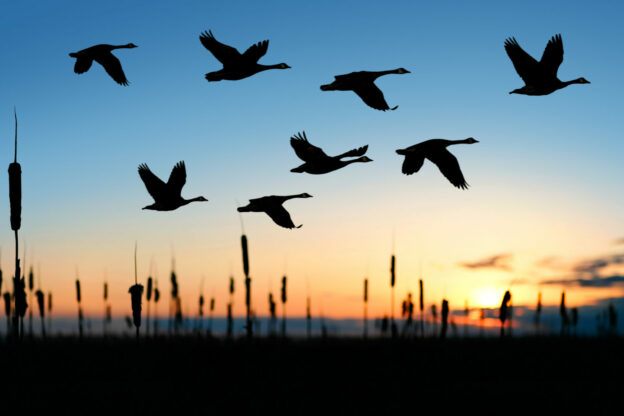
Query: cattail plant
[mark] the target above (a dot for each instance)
(136, 293)
(564, 315)
(230, 306)
(7, 310)
(538, 311)
(31, 288)
(156, 299)
(445, 313)
(212, 307)
(49, 312)
(481, 321)
(40, 299)
(15, 198)
(308, 318)
(148, 298)
(273, 314)
(173, 299)
(80, 316)
(503, 312)
(105, 320)
(283, 306)
(421, 306)
(201, 312)
(392, 282)
(365, 308)
(245, 250)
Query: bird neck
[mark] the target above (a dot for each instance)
(574, 81)
(390, 71)
(463, 141)
(188, 201)
(126, 46)
(265, 67)
(359, 159)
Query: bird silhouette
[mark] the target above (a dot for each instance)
(272, 206)
(540, 78)
(103, 56)
(235, 65)
(436, 151)
(317, 162)
(167, 196)
(363, 84)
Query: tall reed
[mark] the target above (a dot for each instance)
(434, 318)
(80, 316)
(40, 298)
(421, 306)
(538, 312)
(31, 288)
(7, 310)
(148, 298)
(212, 308)
(105, 320)
(15, 198)
(445, 314)
(365, 308)
(245, 250)
(272, 314)
(283, 306)
(564, 315)
(392, 283)
(201, 312)
(136, 293)
(230, 306)
(50, 313)
(574, 313)
(156, 299)
(308, 318)
(503, 311)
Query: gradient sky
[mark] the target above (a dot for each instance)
(544, 178)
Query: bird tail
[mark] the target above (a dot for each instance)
(402, 152)
(394, 108)
(243, 209)
(73, 54)
(298, 169)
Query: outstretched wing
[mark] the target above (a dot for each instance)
(82, 65)
(354, 152)
(449, 166)
(154, 185)
(224, 53)
(304, 149)
(372, 96)
(281, 217)
(177, 179)
(257, 51)
(526, 66)
(553, 56)
(413, 162)
(113, 67)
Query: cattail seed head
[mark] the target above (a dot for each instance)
(40, 298)
(20, 297)
(78, 297)
(7, 303)
(245, 254)
(15, 195)
(136, 292)
(109, 317)
(392, 270)
(504, 308)
(49, 302)
(365, 290)
(434, 311)
(148, 295)
(201, 305)
(231, 285)
(539, 302)
(31, 280)
(174, 285)
(212, 304)
(421, 297)
(284, 289)
(105, 290)
(156, 295)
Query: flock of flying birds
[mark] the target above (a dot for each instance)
(540, 78)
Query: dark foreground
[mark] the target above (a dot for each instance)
(199, 376)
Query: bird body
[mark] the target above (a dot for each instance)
(272, 206)
(363, 84)
(317, 161)
(436, 151)
(167, 196)
(103, 56)
(236, 65)
(540, 78)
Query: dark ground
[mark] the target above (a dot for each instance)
(347, 376)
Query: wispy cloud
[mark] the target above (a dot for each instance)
(594, 266)
(596, 281)
(588, 273)
(499, 261)
(618, 241)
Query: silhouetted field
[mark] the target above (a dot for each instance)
(189, 375)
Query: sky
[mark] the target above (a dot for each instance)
(542, 212)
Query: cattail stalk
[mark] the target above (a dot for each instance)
(503, 312)
(148, 298)
(564, 315)
(105, 320)
(40, 299)
(15, 198)
(80, 316)
(230, 306)
(421, 307)
(245, 250)
(7, 310)
(136, 293)
(365, 308)
(31, 288)
(273, 314)
(212, 307)
(445, 314)
(49, 312)
(308, 318)
(283, 306)
(201, 313)
(156, 299)
(538, 312)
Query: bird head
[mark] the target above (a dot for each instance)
(73, 54)
(402, 71)
(283, 66)
(470, 140)
(365, 159)
(305, 195)
(131, 45)
(200, 198)
(327, 87)
(582, 81)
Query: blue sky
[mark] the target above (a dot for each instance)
(544, 177)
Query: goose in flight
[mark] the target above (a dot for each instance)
(167, 196)
(317, 162)
(540, 78)
(363, 84)
(235, 65)
(272, 205)
(436, 151)
(103, 56)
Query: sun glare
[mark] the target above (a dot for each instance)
(487, 297)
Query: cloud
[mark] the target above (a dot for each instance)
(594, 266)
(499, 261)
(595, 281)
(618, 241)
